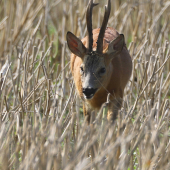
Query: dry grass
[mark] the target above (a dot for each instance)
(41, 120)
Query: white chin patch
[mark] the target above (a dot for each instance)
(89, 97)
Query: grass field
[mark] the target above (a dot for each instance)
(41, 119)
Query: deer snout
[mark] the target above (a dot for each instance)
(89, 92)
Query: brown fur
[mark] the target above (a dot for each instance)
(119, 71)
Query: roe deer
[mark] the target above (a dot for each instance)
(100, 64)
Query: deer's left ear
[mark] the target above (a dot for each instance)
(116, 46)
(75, 45)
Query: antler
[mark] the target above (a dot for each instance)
(103, 28)
(89, 24)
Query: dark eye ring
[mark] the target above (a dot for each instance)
(81, 68)
(102, 70)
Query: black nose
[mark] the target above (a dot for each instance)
(88, 92)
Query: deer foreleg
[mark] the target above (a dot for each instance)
(114, 107)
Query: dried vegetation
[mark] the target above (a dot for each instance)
(41, 120)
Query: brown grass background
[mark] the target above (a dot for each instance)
(41, 119)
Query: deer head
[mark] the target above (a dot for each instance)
(95, 67)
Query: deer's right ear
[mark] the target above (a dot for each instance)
(75, 45)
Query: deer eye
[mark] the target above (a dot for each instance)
(81, 70)
(102, 70)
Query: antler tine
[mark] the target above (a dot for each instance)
(89, 24)
(103, 27)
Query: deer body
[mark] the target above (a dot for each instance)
(105, 68)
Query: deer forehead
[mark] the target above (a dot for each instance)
(93, 62)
